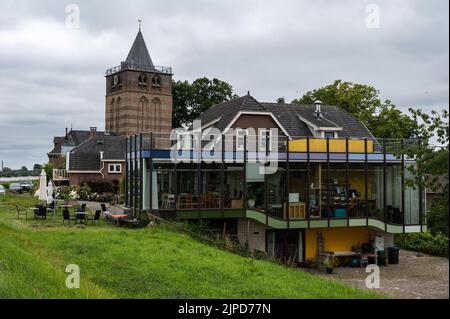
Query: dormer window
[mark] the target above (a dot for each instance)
(329, 134)
(142, 81)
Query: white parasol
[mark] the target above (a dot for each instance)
(41, 193)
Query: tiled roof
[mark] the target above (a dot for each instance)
(138, 54)
(288, 116)
(86, 156)
(73, 138)
(351, 127)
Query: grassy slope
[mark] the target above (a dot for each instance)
(142, 263)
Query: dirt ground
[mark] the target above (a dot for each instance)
(415, 277)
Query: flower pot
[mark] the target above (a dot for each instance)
(329, 270)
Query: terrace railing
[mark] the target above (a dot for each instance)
(188, 141)
(60, 174)
(139, 67)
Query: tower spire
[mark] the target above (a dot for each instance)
(138, 56)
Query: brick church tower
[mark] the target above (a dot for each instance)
(138, 94)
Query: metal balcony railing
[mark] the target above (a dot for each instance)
(189, 141)
(139, 67)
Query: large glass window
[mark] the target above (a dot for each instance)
(356, 190)
(337, 186)
(233, 188)
(394, 193)
(276, 189)
(165, 178)
(315, 190)
(375, 191)
(411, 201)
(210, 187)
(297, 191)
(187, 186)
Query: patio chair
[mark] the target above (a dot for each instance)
(364, 260)
(96, 217)
(169, 201)
(41, 212)
(21, 211)
(104, 209)
(80, 217)
(51, 207)
(66, 216)
(83, 207)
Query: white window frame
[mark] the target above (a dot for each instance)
(240, 133)
(325, 132)
(112, 168)
(262, 134)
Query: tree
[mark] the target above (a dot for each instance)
(431, 169)
(192, 99)
(23, 171)
(48, 168)
(281, 100)
(382, 118)
(7, 172)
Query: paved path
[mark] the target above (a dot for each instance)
(413, 278)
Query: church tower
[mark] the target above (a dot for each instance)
(138, 94)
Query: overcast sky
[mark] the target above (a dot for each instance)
(52, 74)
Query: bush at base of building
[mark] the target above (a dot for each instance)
(424, 242)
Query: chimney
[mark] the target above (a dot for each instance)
(318, 110)
(93, 130)
(101, 155)
(66, 131)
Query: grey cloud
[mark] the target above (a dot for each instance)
(51, 77)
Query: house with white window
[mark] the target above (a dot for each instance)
(89, 156)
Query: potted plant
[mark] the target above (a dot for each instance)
(253, 193)
(329, 262)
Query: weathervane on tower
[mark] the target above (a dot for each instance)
(140, 22)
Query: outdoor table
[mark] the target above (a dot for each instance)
(64, 206)
(344, 255)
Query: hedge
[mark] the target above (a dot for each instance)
(424, 242)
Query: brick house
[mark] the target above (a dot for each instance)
(88, 156)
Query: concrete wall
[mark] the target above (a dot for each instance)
(252, 232)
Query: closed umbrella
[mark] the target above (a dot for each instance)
(50, 192)
(50, 197)
(41, 193)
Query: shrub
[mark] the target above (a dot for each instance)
(424, 242)
(100, 187)
(5, 184)
(106, 198)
